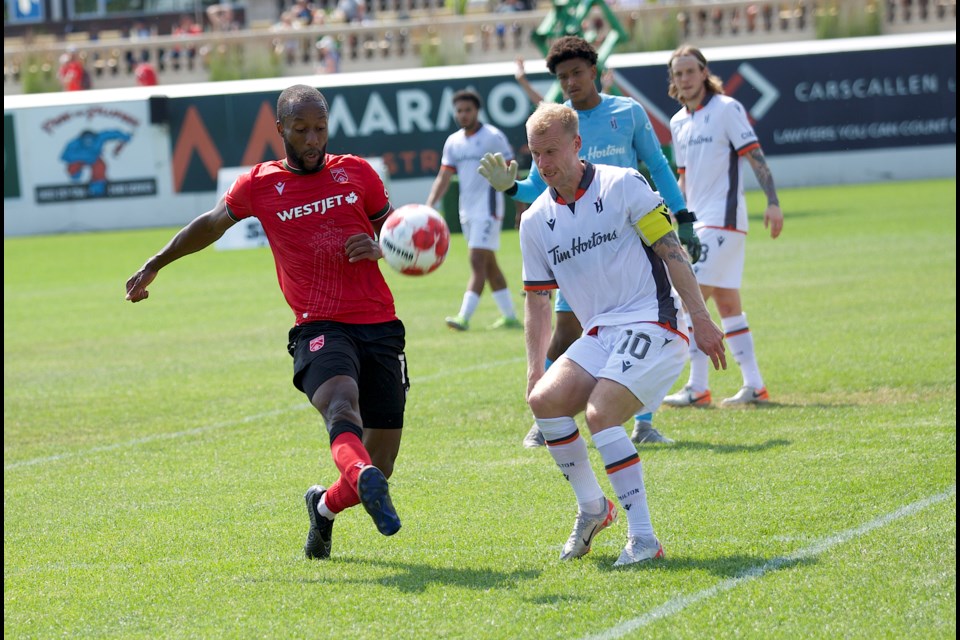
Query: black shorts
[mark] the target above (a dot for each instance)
(371, 354)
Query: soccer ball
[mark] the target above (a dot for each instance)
(415, 239)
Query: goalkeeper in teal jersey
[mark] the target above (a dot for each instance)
(615, 130)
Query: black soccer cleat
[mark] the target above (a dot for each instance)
(375, 497)
(319, 538)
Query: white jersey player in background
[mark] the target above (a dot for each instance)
(602, 235)
(711, 137)
(481, 208)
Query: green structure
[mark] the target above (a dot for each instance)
(566, 18)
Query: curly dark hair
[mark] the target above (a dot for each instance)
(570, 48)
(296, 95)
(467, 94)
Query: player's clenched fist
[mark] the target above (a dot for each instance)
(498, 173)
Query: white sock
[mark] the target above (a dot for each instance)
(505, 302)
(740, 338)
(323, 509)
(626, 476)
(699, 363)
(569, 451)
(469, 304)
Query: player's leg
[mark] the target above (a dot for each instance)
(643, 429)
(656, 358)
(556, 399)
(721, 260)
(326, 369)
(472, 232)
(498, 282)
(501, 295)
(566, 329)
(739, 337)
(383, 385)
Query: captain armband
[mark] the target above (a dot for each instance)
(654, 225)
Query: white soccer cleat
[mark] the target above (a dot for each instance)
(747, 395)
(585, 527)
(637, 550)
(687, 397)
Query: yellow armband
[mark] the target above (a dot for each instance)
(654, 225)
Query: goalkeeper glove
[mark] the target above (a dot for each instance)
(688, 237)
(498, 173)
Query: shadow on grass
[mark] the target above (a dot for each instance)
(729, 567)
(714, 447)
(416, 578)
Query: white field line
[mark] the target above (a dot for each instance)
(678, 604)
(82, 453)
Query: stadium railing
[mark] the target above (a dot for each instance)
(419, 40)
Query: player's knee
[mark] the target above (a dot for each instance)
(541, 402)
(383, 461)
(598, 419)
(340, 410)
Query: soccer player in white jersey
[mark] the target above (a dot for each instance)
(602, 235)
(616, 131)
(711, 137)
(481, 208)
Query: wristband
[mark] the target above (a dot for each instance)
(683, 216)
(512, 191)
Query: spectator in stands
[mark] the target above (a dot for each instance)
(72, 74)
(284, 45)
(352, 11)
(146, 75)
(329, 55)
(222, 17)
(186, 28)
(139, 31)
(507, 6)
(302, 12)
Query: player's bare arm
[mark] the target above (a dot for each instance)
(709, 335)
(536, 329)
(440, 186)
(200, 233)
(773, 216)
(362, 247)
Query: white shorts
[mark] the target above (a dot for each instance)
(482, 233)
(643, 357)
(721, 258)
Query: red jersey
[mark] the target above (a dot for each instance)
(307, 218)
(145, 74)
(71, 76)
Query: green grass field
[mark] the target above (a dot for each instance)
(156, 455)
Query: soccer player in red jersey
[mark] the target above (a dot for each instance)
(321, 213)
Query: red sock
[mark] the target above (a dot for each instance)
(342, 495)
(350, 456)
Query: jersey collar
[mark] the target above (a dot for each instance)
(300, 172)
(706, 100)
(588, 172)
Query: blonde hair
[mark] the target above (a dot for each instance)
(548, 113)
(712, 85)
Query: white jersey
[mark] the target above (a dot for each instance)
(590, 249)
(462, 153)
(709, 144)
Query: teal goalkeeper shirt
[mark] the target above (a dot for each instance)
(618, 132)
